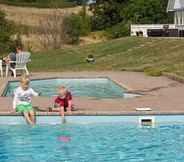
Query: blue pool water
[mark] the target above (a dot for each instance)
(98, 87)
(98, 141)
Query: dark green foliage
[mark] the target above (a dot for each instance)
(147, 12)
(111, 12)
(107, 13)
(153, 72)
(72, 28)
(85, 22)
(7, 29)
(76, 25)
(5, 33)
(118, 30)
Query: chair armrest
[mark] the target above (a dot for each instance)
(12, 61)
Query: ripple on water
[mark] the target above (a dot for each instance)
(92, 143)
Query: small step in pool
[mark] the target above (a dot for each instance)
(88, 87)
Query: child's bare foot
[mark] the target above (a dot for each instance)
(32, 124)
(69, 112)
(64, 120)
(13, 111)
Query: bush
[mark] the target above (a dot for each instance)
(76, 26)
(72, 28)
(106, 13)
(153, 72)
(118, 31)
(85, 22)
(85, 26)
(6, 31)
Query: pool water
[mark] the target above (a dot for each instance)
(98, 87)
(92, 142)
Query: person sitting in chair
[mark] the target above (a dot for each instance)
(12, 56)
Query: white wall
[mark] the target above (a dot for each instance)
(144, 28)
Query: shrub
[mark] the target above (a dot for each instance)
(85, 22)
(72, 28)
(86, 26)
(153, 72)
(118, 31)
(106, 13)
(77, 25)
(6, 31)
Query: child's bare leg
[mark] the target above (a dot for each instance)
(69, 109)
(26, 115)
(32, 116)
(62, 112)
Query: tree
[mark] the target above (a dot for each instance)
(107, 13)
(111, 12)
(147, 12)
(72, 28)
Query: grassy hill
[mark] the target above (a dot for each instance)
(40, 3)
(152, 56)
(28, 21)
(31, 16)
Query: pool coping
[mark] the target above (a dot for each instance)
(90, 113)
(4, 89)
(158, 120)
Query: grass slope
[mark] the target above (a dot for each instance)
(40, 3)
(153, 56)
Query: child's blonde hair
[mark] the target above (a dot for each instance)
(25, 80)
(63, 89)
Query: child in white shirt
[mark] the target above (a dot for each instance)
(22, 100)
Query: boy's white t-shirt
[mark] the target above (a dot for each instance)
(23, 96)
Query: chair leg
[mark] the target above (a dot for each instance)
(1, 72)
(14, 73)
(7, 69)
(27, 72)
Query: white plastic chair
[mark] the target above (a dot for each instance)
(1, 68)
(20, 64)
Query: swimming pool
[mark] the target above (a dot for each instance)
(94, 139)
(90, 87)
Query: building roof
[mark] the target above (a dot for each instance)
(174, 5)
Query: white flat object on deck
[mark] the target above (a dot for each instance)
(143, 109)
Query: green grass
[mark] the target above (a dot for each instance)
(40, 3)
(153, 56)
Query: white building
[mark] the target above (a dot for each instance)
(176, 6)
(138, 30)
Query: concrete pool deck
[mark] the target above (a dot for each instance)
(163, 95)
